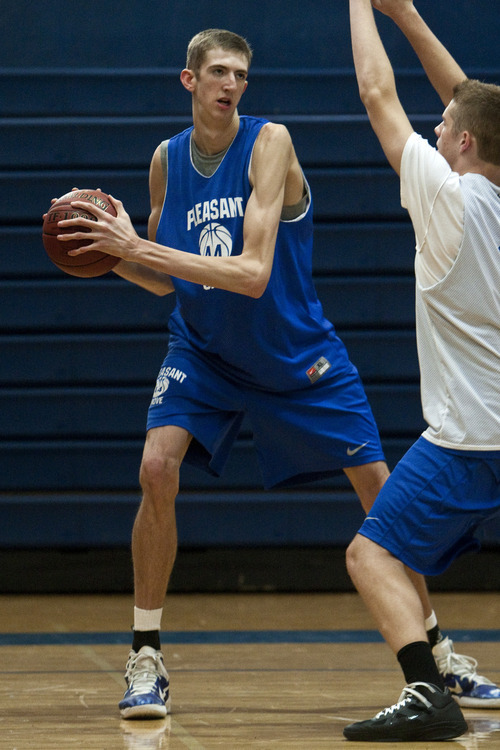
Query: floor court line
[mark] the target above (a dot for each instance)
(226, 637)
(232, 661)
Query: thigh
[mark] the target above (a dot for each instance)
(367, 481)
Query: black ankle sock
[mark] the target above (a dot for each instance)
(434, 635)
(146, 638)
(418, 664)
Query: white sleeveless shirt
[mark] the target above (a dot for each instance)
(457, 228)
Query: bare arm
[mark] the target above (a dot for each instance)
(148, 278)
(377, 87)
(442, 70)
(249, 272)
(273, 160)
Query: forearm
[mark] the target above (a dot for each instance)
(243, 274)
(373, 69)
(441, 68)
(147, 278)
(377, 87)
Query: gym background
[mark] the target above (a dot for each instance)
(87, 91)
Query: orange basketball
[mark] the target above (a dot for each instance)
(91, 263)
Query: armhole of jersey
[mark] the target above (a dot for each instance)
(250, 165)
(164, 158)
(300, 209)
(289, 213)
(164, 169)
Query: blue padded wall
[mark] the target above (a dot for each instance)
(86, 94)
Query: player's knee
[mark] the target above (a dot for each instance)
(159, 473)
(356, 558)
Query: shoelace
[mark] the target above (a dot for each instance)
(405, 698)
(463, 666)
(142, 672)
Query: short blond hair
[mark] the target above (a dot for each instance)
(477, 110)
(210, 39)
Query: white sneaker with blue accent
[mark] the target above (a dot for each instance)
(147, 695)
(462, 680)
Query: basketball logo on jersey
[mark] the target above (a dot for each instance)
(215, 241)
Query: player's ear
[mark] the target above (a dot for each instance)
(188, 79)
(466, 141)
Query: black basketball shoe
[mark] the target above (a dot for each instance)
(424, 714)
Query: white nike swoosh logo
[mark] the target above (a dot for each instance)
(352, 451)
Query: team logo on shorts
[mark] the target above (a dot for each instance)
(165, 375)
(353, 451)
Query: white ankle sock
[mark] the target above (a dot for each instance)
(431, 621)
(147, 619)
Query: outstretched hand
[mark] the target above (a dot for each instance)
(114, 235)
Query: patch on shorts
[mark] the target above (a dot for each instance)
(318, 369)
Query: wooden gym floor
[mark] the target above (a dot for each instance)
(263, 671)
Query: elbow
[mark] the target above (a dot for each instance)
(252, 277)
(256, 284)
(163, 289)
(160, 287)
(370, 97)
(375, 97)
(257, 290)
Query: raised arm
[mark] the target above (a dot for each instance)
(377, 87)
(442, 70)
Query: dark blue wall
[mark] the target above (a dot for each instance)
(86, 94)
(300, 33)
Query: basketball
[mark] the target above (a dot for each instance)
(91, 263)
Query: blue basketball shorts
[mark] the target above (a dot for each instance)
(299, 435)
(431, 508)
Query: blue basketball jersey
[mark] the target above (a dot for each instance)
(278, 342)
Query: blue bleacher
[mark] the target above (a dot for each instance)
(85, 103)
